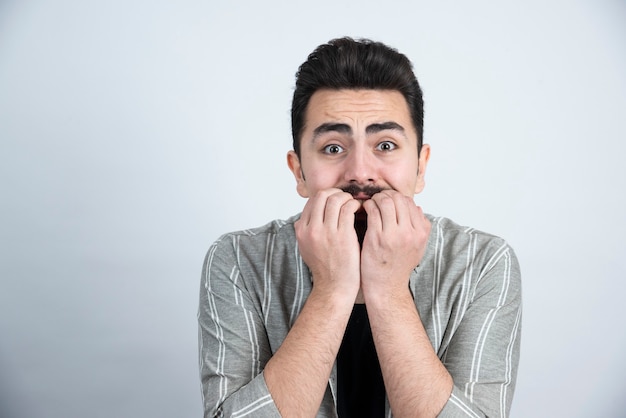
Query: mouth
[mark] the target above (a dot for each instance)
(360, 213)
(362, 196)
(361, 193)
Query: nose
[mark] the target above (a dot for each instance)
(360, 167)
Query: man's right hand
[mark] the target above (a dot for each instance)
(328, 242)
(297, 374)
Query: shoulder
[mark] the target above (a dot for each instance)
(277, 227)
(259, 260)
(456, 241)
(254, 240)
(454, 233)
(462, 252)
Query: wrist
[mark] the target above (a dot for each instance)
(388, 298)
(334, 295)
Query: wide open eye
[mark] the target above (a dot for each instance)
(386, 146)
(333, 149)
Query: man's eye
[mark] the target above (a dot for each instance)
(332, 149)
(386, 146)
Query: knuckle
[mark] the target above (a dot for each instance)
(386, 201)
(321, 194)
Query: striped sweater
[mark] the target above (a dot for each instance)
(467, 290)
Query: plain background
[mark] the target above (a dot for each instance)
(134, 133)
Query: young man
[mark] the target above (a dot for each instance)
(361, 305)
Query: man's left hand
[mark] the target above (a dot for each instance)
(395, 242)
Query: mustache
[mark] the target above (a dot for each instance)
(356, 190)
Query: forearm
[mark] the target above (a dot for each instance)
(416, 381)
(298, 373)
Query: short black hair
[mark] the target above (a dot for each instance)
(345, 63)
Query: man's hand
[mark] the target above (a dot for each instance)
(395, 242)
(297, 374)
(416, 381)
(328, 242)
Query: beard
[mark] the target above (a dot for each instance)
(360, 217)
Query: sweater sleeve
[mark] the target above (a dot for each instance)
(483, 354)
(233, 344)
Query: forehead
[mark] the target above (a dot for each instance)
(357, 106)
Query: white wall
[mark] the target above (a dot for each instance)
(134, 133)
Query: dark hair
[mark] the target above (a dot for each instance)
(346, 63)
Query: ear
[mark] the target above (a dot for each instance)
(423, 163)
(296, 168)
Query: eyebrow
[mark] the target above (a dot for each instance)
(345, 129)
(341, 128)
(385, 126)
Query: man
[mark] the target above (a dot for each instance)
(361, 305)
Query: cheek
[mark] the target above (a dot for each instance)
(403, 178)
(322, 178)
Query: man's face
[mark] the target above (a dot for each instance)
(356, 139)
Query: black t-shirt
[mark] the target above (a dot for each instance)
(360, 387)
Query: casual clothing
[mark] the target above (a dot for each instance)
(467, 290)
(360, 385)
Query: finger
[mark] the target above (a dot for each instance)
(346, 214)
(404, 207)
(305, 216)
(417, 217)
(317, 206)
(374, 220)
(387, 207)
(334, 208)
